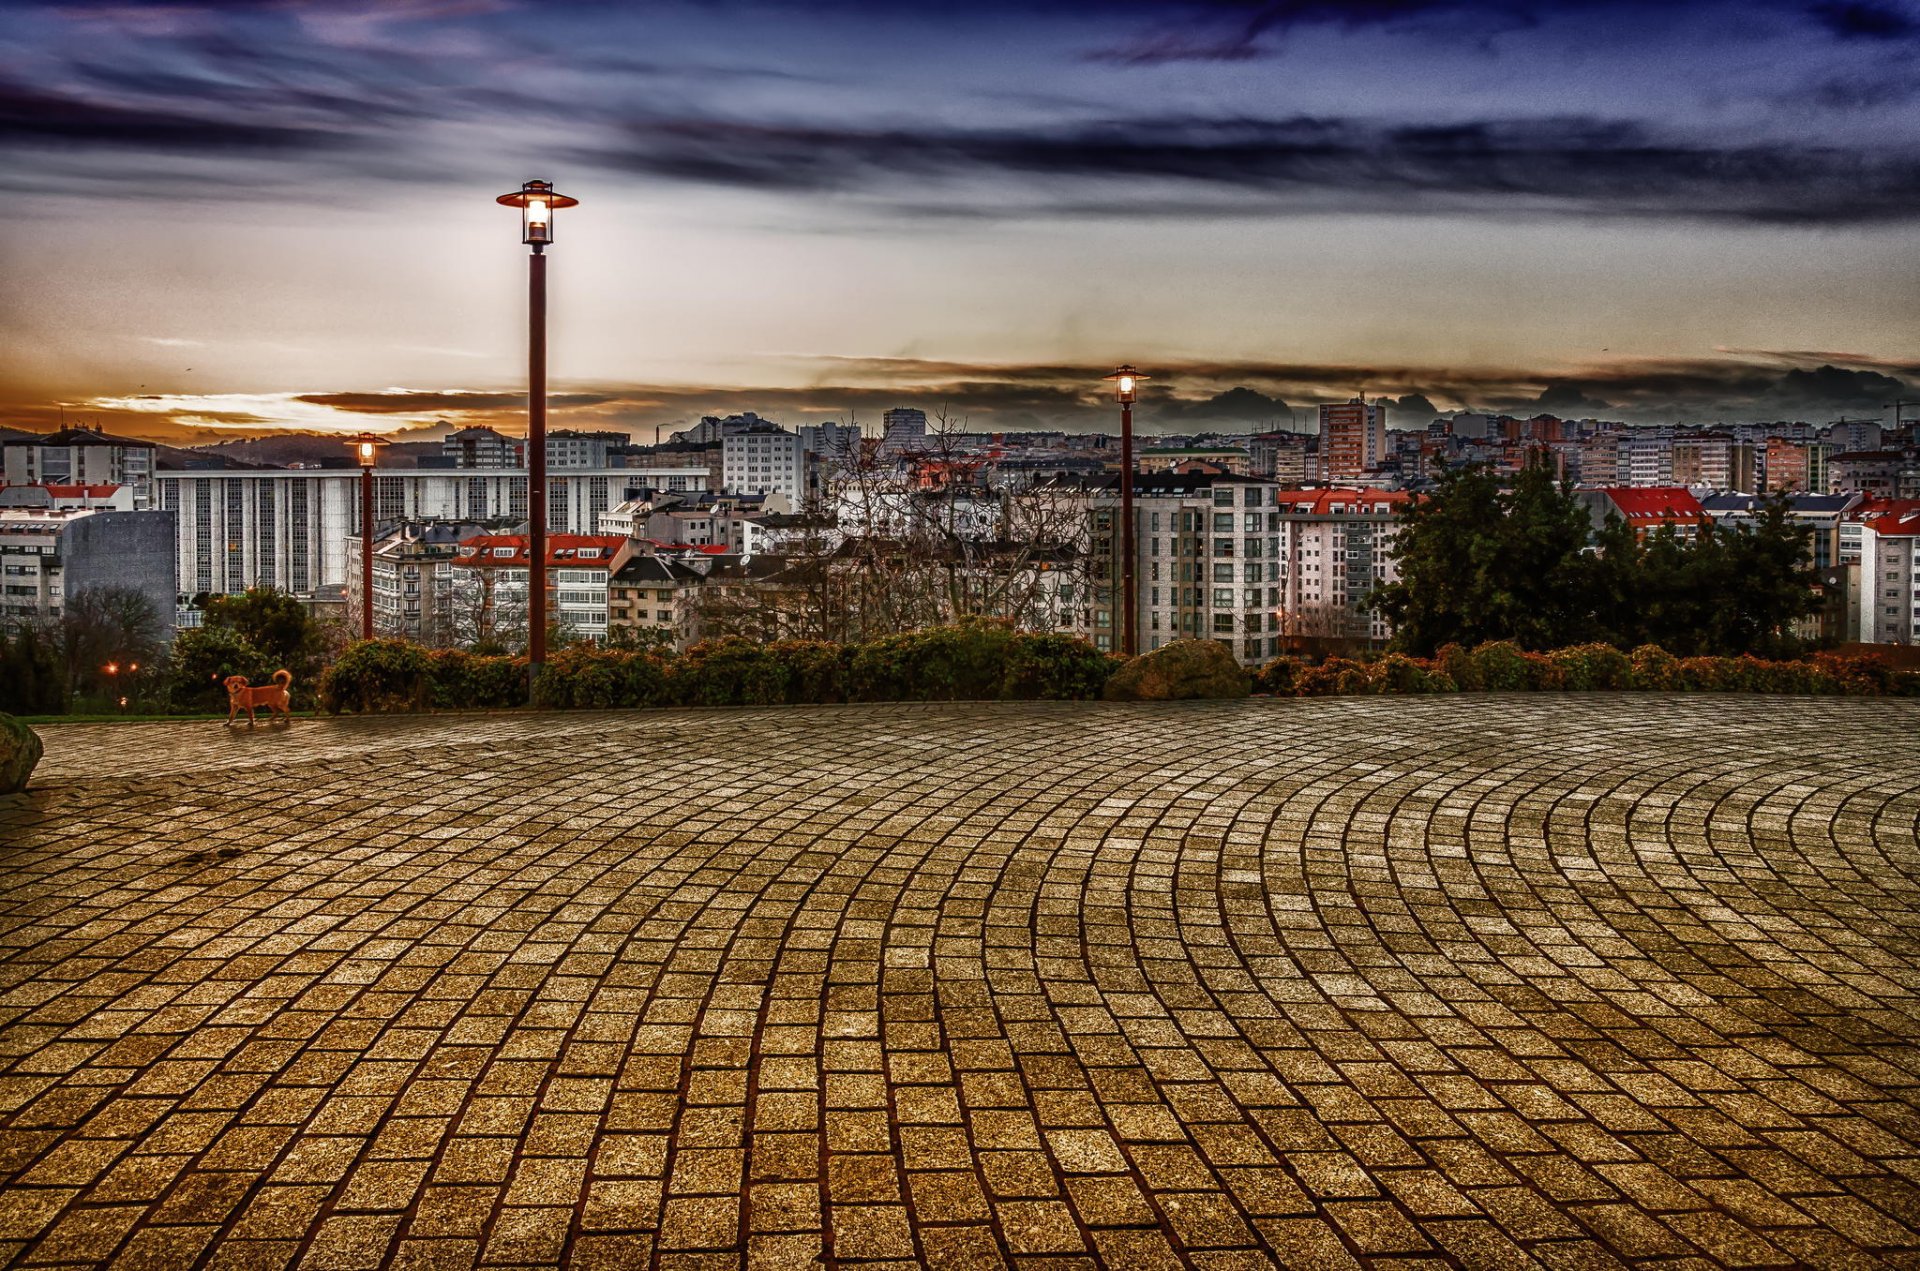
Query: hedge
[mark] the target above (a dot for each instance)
(981, 661)
(973, 661)
(1503, 667)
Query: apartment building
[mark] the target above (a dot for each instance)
(654, 594)
(765, 459)
(413, 578)
(1353, 439)
(1648, 511)
(81, 456)
(490, 587)
(289, 529)
(50, 555)
(1881, 535)
(1336, 546)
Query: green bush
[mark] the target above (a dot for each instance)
(1502, 667)
(1179, 671)
(1459, 665)
(580, 677)
(1592, 666)
(471, 681)
(940, 664)
(1279, 676)
(733, 671)
(1336, 677)
(378, 675)
(816, 670)
(1398, 673)
(205, 656)
(1654, 669)
(1054, 668)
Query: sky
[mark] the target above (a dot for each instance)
(230, 217)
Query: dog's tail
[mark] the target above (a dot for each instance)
(283, 678)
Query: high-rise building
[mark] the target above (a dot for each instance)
(1353, 439)
(764, 460)
(1335, 546)
(81, 456)
(903, 429)
(49, 556)
(482, 448)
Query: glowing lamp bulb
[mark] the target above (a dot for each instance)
(537, 211)
(366, 452)
(1126, 383)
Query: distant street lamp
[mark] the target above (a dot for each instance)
(537, 202)
(365, 447)
(1125, 378)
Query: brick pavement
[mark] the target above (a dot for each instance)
(1503, 982)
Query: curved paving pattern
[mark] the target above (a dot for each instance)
(1492, 981)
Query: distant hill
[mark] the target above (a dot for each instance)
(285, 449)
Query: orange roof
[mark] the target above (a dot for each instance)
(1661, 505)
(588, 551)
(1347, 498)
(80, 491)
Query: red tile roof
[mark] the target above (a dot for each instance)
(589, 551)
(1349, 498)
(1656, 505)
(79, 491)
(1889, 517)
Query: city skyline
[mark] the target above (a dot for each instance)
(234, 216)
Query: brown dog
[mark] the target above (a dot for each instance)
(274, 697)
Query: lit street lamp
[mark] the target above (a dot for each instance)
(1125, 378)
(365, 447)
(537, 202)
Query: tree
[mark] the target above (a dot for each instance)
(277, 625)
(1480, 563)
(107, 639)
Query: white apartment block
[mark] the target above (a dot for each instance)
(1336, 546)
(489, 591)
(81, 456)
(1881, 536)
(764, 460)
(289, 529)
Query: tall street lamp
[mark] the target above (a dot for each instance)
(1125, 378)
(537, 202)
(365, 447)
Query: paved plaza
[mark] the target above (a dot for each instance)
(1496, 981)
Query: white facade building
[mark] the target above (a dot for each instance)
(81, 456)
(767, 460)
(1883, 534)
(288, 529)
(1336, 546)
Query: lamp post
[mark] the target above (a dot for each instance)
(365, 447)
(1125, 378)
(537, 202)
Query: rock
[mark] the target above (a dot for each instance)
(1180, 671)
(19, 751)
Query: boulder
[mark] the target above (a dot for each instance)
(19, 752)
(1181, 671)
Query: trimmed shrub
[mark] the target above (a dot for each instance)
(1654, 669)
(1054, 668)
(1181, 671)
(1592, 666)
(1460, 667)
(377, 675)
(1336, 677)
(470, 681)
(1502, 667)
(816, 670)
(733, 671)
(1279, 676)
(939, 664)
(1398, 673)
(581, 677)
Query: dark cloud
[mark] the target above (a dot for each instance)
(1412, 410)
(1570, 399)
(1866, 20)
(1309, 164)
(1240, 406)
(413, 402)
(32, 117)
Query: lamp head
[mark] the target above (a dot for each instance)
(1125, 382)
(537, 201)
